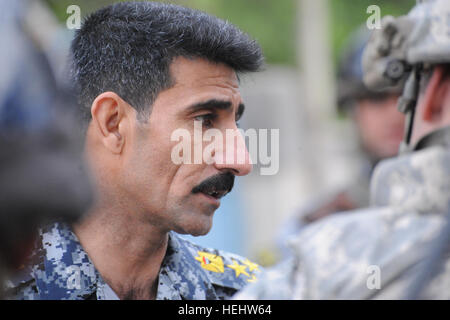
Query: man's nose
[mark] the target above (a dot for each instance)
(234, 155)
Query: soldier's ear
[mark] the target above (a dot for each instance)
(436, 94)
(109, 120)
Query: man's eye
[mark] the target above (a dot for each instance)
(206, 119)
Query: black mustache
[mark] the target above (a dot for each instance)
(220, 182)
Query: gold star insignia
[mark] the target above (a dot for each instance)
(238, 269)
(251, 266)
(252, 279)
(210, 262)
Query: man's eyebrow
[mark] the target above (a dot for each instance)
(240, 111)
(215, 104)
(210, 105)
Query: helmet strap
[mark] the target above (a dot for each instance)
(407, 105)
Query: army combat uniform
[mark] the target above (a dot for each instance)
(376, 253)
(62, 270)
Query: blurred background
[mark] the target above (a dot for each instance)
(320, 150)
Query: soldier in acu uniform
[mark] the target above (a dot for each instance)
(379, 128)
(399, 247)
(142, 71)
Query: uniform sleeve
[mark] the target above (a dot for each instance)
(227, 272)
(282, 282)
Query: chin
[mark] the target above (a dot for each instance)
(392, 151)
(197, 233)
(196, 225)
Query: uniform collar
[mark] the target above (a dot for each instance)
(180, 276)
(419, 181)
(66, 272)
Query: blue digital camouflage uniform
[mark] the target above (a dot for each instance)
(381, 252)
(61, 270)
(344, 256)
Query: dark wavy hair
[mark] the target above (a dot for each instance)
(128, 47)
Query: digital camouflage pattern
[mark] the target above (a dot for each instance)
(61, 270)
(341, 257)
(429, 41)
(422, 36)
(354, 196)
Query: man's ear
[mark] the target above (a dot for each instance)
(436, 91)
(109, 120)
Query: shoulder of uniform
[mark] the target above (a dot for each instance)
(22, 287)
(22, 284)
(278, 282)
(223, 268)
(25, 274)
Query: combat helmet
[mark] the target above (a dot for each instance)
(402, 50)
(350, 84)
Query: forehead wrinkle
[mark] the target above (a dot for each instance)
(197, 80)
(199, 69)
(217, 81)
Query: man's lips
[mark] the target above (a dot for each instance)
(209, 199)
(215, 194)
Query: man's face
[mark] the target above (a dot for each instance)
(380, 125)
(162, 190)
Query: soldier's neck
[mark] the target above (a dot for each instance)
(127, 253)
